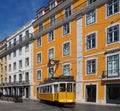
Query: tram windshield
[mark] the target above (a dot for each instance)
(67, 87)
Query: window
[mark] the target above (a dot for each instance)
(14, 66)
(91, 1)
(52, 5)
(91, 17)
(38, 58)
(51, 36)
(39, 75)
(14, 54)
(20, 64)
(52, 20)
(67, 11)
(38, 41)
(14, 42)
(66, 70)
(20, 51)
(27, 34)
(27, 48)
(113, 7)
(27, 76)
(9, 79)
(66, 28)
(51, 72)
(9, 67)
(113, 65)
(91, 41)
(113, 34)
(26, 61)
(20, 38)
(91, 66)
(41, 27)
(14, 78)
(10, 45)
(51, 53)
(66, 49)
(20, 77)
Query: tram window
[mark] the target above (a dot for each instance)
(41, 90)
(50, 89)
(56, 88)
(69, 87)
(62, 87)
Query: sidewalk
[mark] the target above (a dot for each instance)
(2, 101)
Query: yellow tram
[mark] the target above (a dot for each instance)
(58, 89)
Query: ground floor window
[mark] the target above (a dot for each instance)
(113, 93)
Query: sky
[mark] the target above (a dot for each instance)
(16, 13)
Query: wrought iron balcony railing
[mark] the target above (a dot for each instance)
(15, 83)
(114, 73)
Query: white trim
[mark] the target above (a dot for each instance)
(109, 26)
(64, 65)
(41, 42)
(53, 35)
(69, 41)
(106, 16)
(87, 84)
(41, 57)
(94, 74)
(36, 74)
(69, 29)
(96, 37)
(96, 13)
(53, 50)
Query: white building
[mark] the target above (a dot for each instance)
(20, 62)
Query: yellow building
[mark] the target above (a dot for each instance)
(3, 64)
(100, 81)
(55, 31)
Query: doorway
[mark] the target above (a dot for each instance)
(91, 93)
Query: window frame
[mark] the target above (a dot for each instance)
(89, 17)
(40, 58)
(64, 55)
(40, 74)
(66, 29)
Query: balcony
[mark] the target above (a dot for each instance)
(15, 83)
(76, 12)
(111, 74)
(25, 40)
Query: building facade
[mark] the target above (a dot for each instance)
(3, 65)
(19, 62)
(100, 74)
(56, 40)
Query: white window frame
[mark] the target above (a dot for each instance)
(112, 33)
(89, 16)
(40, 74)
(64, 55)
(52, 67)
(40, 58)
(51, 36)
(113, 13)
(52, 48)
(52, 20)
(68, 11)
(40, 40)
(112, 54)
(96, 69)
(27, 64)
(95, 41)
(65, 28)
(69, 69)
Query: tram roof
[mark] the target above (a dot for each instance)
(58, 79)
